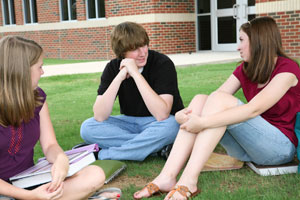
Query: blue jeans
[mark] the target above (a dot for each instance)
(129, 138)
(259, 141)
(5, 198)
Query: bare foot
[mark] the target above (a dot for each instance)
(109, 195)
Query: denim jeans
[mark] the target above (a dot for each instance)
(5, 198)
(129, 138)
(259, 141)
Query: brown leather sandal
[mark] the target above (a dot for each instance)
(152, 189)
(184, 191)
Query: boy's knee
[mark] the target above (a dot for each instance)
(171, 126)
(84, 132)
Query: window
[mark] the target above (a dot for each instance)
(204, 25)
(68, 10)
(95, 9)
(8, 12)
(30, 12)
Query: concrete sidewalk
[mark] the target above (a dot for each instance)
(180, 60)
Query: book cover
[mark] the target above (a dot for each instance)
(271, 170)
(111, 168)
(219, 162)
(41, 172)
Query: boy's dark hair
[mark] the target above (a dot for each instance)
(128, 36)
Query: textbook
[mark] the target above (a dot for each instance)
(111, 168)
(271, 170)
(220, 162)
(40, 173)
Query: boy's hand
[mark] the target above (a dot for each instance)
(130, 65)
(123, 74)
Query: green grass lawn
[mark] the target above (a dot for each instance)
(71, 97)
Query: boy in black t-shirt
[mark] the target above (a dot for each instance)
(145, 82)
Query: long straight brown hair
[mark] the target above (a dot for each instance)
(17, 97)
(265, 45)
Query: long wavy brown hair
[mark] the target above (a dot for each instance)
(18, 99)
(265, 46)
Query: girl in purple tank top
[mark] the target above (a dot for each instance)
(24, 120)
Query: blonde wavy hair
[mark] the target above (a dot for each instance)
(18, 99)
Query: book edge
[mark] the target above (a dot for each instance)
(280, 170)
(113, 175)
(35, 179)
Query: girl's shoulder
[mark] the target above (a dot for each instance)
(287, 65)
(41, 92)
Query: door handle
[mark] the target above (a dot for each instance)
(235, 11)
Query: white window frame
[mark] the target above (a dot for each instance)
(69, 11)
(31, 12)
(96, 10)
(11, 14)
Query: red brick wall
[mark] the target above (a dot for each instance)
(94, 43)
(172, 37)
(18, 12)
(132, 7)
(81, 11)
(1, 16)
(166, 37)
(48, 11)
(289, 25)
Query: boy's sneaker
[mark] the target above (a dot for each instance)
(165, 151)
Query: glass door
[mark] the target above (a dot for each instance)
(227, 17)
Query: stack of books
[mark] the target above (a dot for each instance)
(271, 170)
(40, 173)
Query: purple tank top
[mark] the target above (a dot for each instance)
(17, 144)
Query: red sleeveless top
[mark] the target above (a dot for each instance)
(283, 114)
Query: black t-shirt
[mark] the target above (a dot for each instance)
(160, 74)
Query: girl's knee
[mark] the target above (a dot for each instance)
(222, 100)
(200, 97)
(95, 177)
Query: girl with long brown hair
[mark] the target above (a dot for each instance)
(260, 131)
